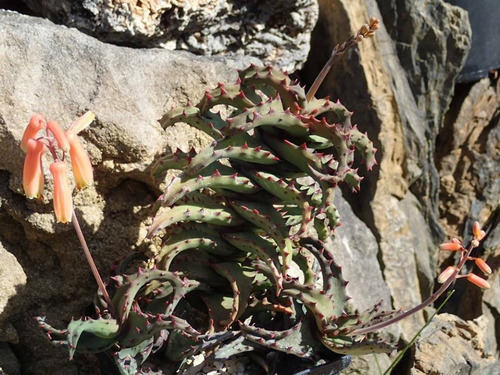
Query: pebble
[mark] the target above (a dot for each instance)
(230, 366)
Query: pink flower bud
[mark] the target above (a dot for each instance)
(63, 202)
(33, 171)
(478, 233)
(37, 123)
(481, 264)
(478, 281)
(445, 275)
(451, 246)
(58, 134)
(82, 167)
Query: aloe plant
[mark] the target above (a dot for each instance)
(242, 264)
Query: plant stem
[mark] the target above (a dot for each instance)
(366, 31)
(92, 265)
(464, 256)
(338, 50)
(401, 354)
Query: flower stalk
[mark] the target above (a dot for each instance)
(447, 277)
(92, 264)
(366, 31)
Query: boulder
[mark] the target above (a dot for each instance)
(61, 73)
(384, 86)
(275, 31)
(468, 157)
(450, 345)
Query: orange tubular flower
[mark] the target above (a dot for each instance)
(481, 264)
(33, 171)
(478, 233)
(63, 203)
(476, 280)
(446, 274)
(451, 246)
(58, 134)
(82, 167)
(37, 123)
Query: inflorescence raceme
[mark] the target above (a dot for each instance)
(452, 272)
(59, 143)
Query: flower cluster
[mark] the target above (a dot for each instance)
(456, 245)
(59, 143)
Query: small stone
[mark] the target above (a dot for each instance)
(198, 359)
(218, 365)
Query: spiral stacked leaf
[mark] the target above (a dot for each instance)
(258, 204)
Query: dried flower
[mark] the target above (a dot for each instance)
(364, 29)
(33, 170)
(58, 134)
(37, 123)
(481, 264)
(374, 23)
(445, 275)
(478, 233)
(451, 246)
(63, 202)
(478, 281)
(82, 167)
(81, 123)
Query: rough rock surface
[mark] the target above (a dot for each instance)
(402, 216)
(61, 72)
(450, 345)
(355, 248)
(277, 32)
(13, 279)
(468, 157)
(468, 160)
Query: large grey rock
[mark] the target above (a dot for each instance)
(355, 249)
(277, 32)
(12, 278)
(470, 186)
(61, 73)
(450, 345)
(468, 158)
(432, 40)
(384, 87)
(12, 281)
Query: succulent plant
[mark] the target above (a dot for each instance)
(255, 207)
(242, 265)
